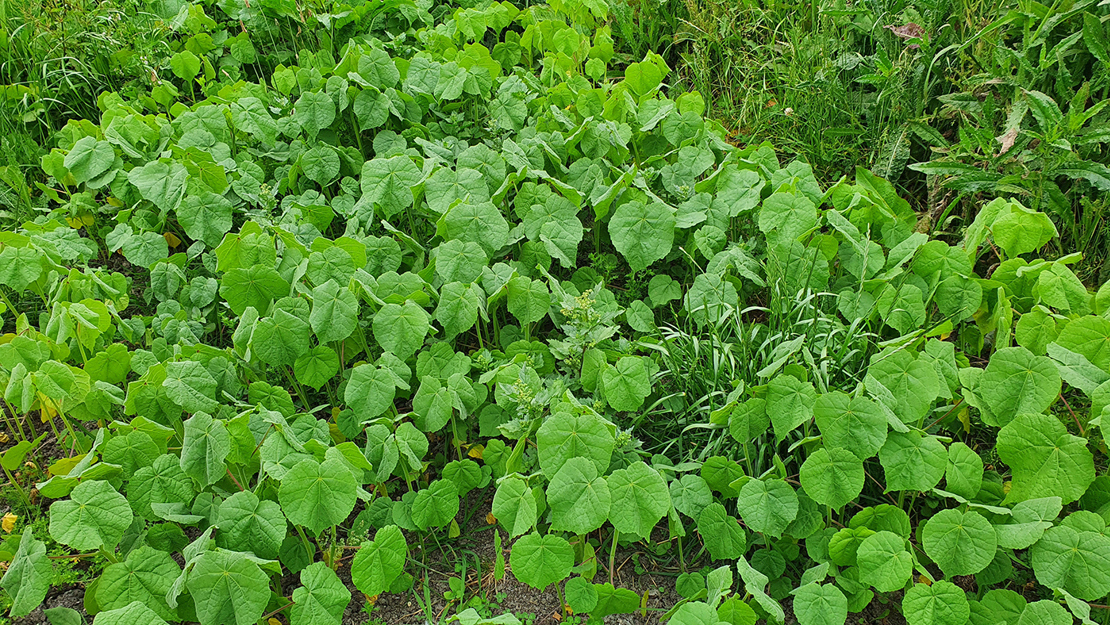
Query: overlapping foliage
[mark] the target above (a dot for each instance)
(379, 284)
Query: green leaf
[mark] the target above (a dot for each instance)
(755, 584)
(185, 65)
(334, 312)
(790, 403)
(205, 217)
(28, 576)
(316, 366)
(579, 499)
(723, 537)
(447, 186)
(228, 589)
(436, 505)
(884, 562)
(478, 222)
(320, 164)
(380, 561)
(791, 215)
(190, 386)
(1076, 561)
(694, 613)
(640, 499)
(388, 182)
(160, 182)
(642, 233)
(514, 506)
(280, 339)
(89, 158)
(313, 112)
(400, 330)
(1046, 461)
(146, 575)
(1020, 230)
(555, 223)
(249, 524)
(913, 383)
(856, 424)
(1089, 336)
(964, 471)
(458, 307)
(565, 435)
(820, 604)
(460, 261)
(162, 482)
(961, 543)
(540, 561)
(145, 248)
(767, 505)
(321, 598)
(369, 391)
(20, 266)
(1018, 382)
(832, 476)
(912, 461)
(317, 495)
(942, 603)
(94, 516)
(690, 495)
(255, 286)
(133, 613)
(205, 448)
(1045, 612)
(529, 300)
(626, 384)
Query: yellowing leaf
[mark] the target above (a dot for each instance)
(965, 418)
(921, 579)
(8, 522)
(172, 240)
(476, 452)
(490, 519)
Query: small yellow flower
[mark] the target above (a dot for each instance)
(8, 522)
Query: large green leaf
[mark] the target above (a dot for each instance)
(29, 574)
(161, 182)
(514, 506)
(640, 499)
(723, 537)
(626, 383)
(832, 476)
(228, 589)
(380, 561)
(913, 382)
(540, 561)
(789, 214)
(820, 604)
(205, 217)
(884, 562)
(790, 403)
(479, 223)
(133, 613)
(369, 391)
(388, 182)
(1073, 560)
(1046, 461)
(321, 598)
(768, 506)
(1017, 382)
(942, 603)
(317, 495)
(205, 448)
(249, 524)
(89, 158)
(334, 312)
(642, 233)
(436, 505)
(146, 575)
(912, 461)
(856, 424)
(400, 330)
(255, 286)
(578, 497)
(565, 435)
(961, 543)
(94, 516)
